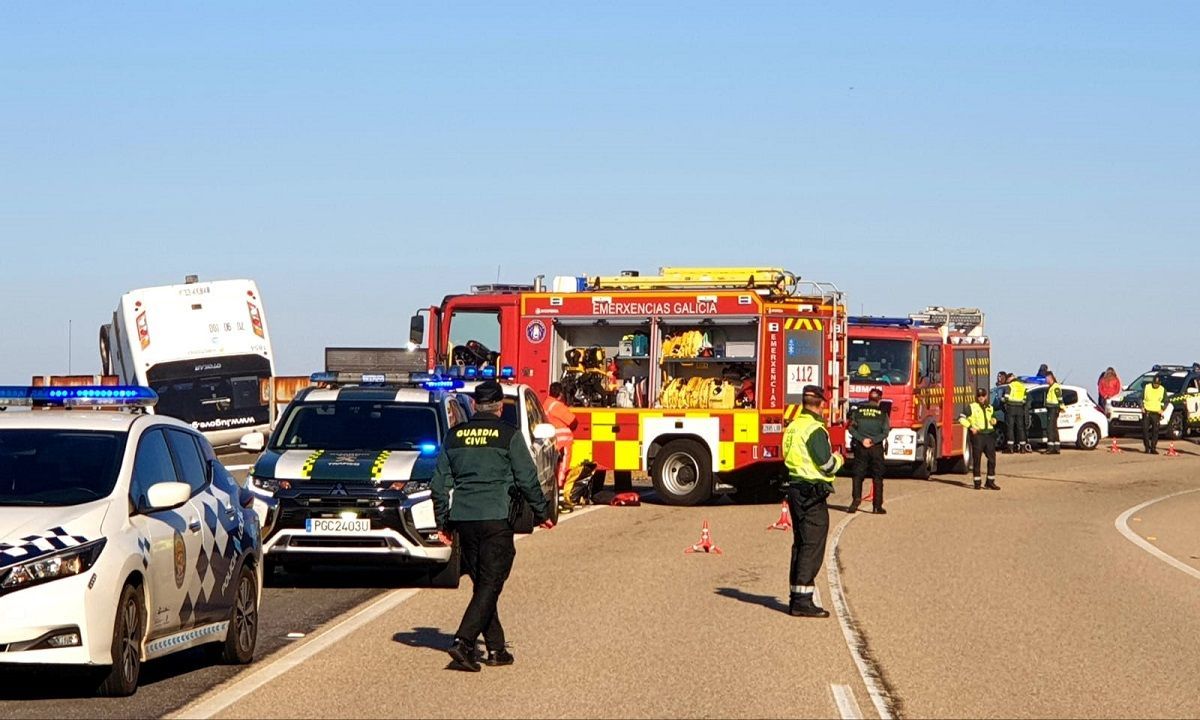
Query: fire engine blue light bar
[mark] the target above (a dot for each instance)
(95, 395)
(882, 321)
(507, 373)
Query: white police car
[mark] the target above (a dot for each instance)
(345, 476)
(122, 539)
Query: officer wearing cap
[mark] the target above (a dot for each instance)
(811, 465)
(869, 428)
(980, 422)
(483, 461)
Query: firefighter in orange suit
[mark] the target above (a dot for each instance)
(564, 422)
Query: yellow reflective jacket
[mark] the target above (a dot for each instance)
(1152, 398)
(982, 418)
(807, 452)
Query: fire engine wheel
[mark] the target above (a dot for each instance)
(682, 473)
(927, 465)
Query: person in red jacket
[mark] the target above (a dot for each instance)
(1108, 387)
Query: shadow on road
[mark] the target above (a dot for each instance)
(425, 637)
(767, 601)
(345, 577)
(56, 682)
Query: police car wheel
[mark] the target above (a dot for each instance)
(1175, 430)
(1089, 437)
(242, 635)
(122, 677)
(682, 473)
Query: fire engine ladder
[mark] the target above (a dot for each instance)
(832, 296)
(765, 281)
(967, 320)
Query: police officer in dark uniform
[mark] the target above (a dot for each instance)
(869, 426)
(484, 460)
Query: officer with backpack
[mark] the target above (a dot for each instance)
(484, 461)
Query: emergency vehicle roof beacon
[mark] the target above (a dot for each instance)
(202, 346)
(122, 538)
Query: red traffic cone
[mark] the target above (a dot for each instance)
(1171, 451)
(705, 545)
(785, 519)
(1113, 448)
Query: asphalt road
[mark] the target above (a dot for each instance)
(1023, 603)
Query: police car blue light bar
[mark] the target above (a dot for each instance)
(79, 396)
(363, 378)
(428, 448)
(442, 384)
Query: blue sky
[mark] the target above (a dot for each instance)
(1038, 160)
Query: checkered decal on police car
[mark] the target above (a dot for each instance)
(220, 547)
(32, 547)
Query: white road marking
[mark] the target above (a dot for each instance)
(854, 640)
(241, 686)
(846, 704)
(1122, 525)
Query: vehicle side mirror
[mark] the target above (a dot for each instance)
(252, 442)
(166, 495)
(543, 431)
(416, 329)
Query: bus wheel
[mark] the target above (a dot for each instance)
(105, 353)
(682, 473)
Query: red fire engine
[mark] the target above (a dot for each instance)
(928, 366)
(689, 375)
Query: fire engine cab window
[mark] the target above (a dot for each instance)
(929, 365)
(474, 338)
(882, 361)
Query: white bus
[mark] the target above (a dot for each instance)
(202, 346)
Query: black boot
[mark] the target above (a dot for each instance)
(879, 510)
(464, 655)
(991, 484)
(978, 484)
(496, 658)
(853, 506)
(802, 605)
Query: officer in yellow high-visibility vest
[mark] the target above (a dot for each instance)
(1153, 404)
(981, 424)
(1015, 416)
(811, 466)
(1053, 406)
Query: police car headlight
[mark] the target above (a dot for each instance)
(267, 487)
(44, 569)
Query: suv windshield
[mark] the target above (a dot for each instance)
(883, 361)
(1173, 383)
(58, 467)
(358, 425)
